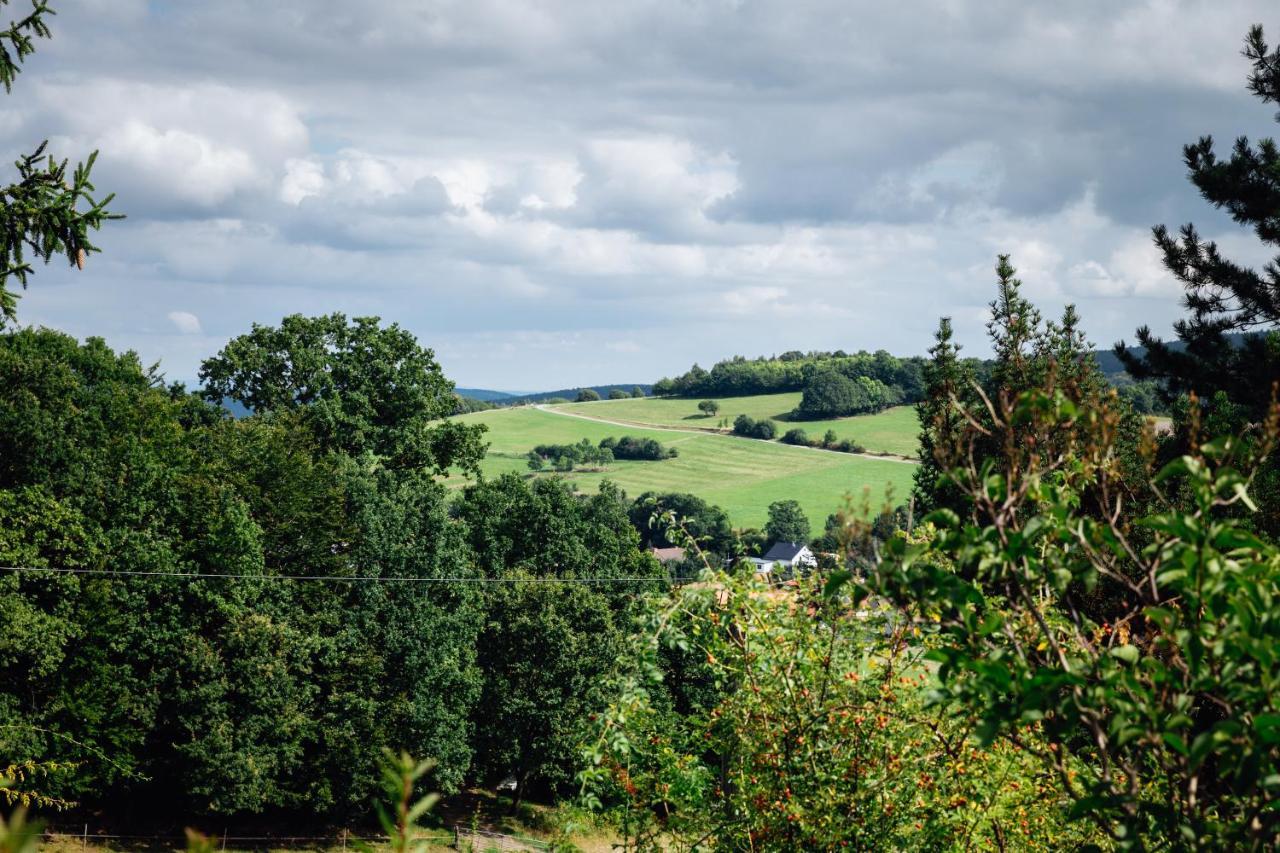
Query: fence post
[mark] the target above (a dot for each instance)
(84, 841)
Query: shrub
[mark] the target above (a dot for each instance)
(830, 740)
(587, 395)
(796, 436)
(565, 457)
(619, 394)
(629, 447)
(709, 408)
(749, 427)
(1160, 716)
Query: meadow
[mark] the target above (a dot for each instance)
(741, 475)
(892, 431)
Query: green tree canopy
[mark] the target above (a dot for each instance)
(707, 523)
(167, 686)
(948, 384)
(359, 386)
(787, 522)
(546, 651)
(831, 394)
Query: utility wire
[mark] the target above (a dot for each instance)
(53, 570)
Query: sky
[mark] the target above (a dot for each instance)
(558, 194)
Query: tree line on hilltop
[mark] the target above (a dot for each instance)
(837, 384)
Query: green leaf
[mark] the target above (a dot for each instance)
(1181, 465)
(1126, 653)
(837, 580)
(1268, 727)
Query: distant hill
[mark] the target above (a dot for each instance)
(1110, 364)
(485, 394)
(571, 393)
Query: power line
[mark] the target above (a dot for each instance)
(54, 570)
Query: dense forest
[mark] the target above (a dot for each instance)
(168, 651)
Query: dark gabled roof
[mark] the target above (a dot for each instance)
(784, 552)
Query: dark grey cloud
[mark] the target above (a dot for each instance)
(553, 193)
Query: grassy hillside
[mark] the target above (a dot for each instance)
(893, 431)
(742, 475)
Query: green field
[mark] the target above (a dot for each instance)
(741, 475)
(893, 431)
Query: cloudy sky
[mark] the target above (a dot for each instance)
(563, 193)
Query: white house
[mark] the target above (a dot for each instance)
(794, 555)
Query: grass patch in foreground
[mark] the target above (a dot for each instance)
(741, 475)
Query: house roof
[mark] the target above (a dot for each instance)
(668, 555)
(784, 552)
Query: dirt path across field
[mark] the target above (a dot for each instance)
(888, 457)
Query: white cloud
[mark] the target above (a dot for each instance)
(302, 178)
(569, 180)
(185, 322)
(188, 167)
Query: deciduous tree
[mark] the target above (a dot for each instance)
(787, 522)
(360, 387)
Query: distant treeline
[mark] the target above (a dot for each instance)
(479, 400)
(794, 371)
(876, 381)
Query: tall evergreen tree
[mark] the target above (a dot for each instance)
(1223, 296)
(39, 212)
(1029, 353)
(947, 381)
(1014, 328)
